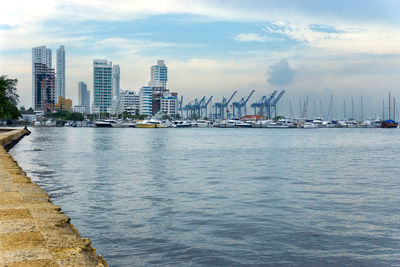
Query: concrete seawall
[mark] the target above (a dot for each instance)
(33, 231)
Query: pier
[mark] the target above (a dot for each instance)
(34, 231)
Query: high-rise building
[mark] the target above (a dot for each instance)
(102, 86)
(146, 100)
(44, 87)
(84, 96)
(159, 75)
(116, 91)
(60, 73)
(42, 55)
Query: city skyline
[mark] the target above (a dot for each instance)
(213, 48)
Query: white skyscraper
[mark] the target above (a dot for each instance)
(116, 91)
(60, 73)
(159, 75)
(42, 55)
(102, 86)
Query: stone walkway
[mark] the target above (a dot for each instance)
(33, 231)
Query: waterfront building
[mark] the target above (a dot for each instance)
(44, 87)
(159, 75)
(102, 86)
(79, 109)
(158, 92)
(63, 104)
(130, 102)
(84, 96)
(116, 90)
(60, 73)
(169, 104)
(145, 100)
(42, 55)
(28, 116)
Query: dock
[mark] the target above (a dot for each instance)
(34, 231)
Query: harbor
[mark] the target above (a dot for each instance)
(224, 197)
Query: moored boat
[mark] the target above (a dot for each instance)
(389, 124)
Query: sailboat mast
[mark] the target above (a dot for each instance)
(383, 110)
(389, 107)
(352, 109)
(394, 108)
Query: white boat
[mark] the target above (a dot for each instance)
(318, 122)
(309, 125)
(227, 124)
(181, 124)
(201, 124)
(243, 124)
(103, 124)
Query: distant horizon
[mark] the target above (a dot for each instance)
(308, 48)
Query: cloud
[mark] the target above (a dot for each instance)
(361, 39)
(280, 73)
(250, 37)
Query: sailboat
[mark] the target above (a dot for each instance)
(391, 123)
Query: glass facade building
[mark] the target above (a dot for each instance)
(102, 86)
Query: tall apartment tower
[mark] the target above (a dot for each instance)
(60, 74)
(102, 86)
(84, 96)
(116, 91)
(146, 100)
(42, 55)
(44, 87)
(159, 75)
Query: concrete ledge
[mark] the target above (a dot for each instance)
(33, 231)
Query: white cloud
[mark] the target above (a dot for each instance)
(251, 37)
(367, 39)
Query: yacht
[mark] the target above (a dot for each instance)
(309, 125)
(181, 124)
(103, 124)
(201, 124)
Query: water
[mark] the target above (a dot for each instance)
(225, 197)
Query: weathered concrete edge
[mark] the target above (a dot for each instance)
(7, 141)
(12, 137)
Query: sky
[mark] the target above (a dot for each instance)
(310, 48)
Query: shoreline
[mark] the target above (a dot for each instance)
(34, 231)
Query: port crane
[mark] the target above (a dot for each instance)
(219, 107)
(238, 107)
(276, 100)
(180, 108)
(204, 107)
(267, 105)
(264, 105)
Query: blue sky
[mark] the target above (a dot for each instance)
(344, 48)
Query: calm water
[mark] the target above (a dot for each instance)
(225, 197)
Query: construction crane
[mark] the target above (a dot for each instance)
(237, 107)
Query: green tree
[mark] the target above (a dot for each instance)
(9, 98)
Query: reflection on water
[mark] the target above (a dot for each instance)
(225, 197)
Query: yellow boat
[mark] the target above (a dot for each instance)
(150, 124)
